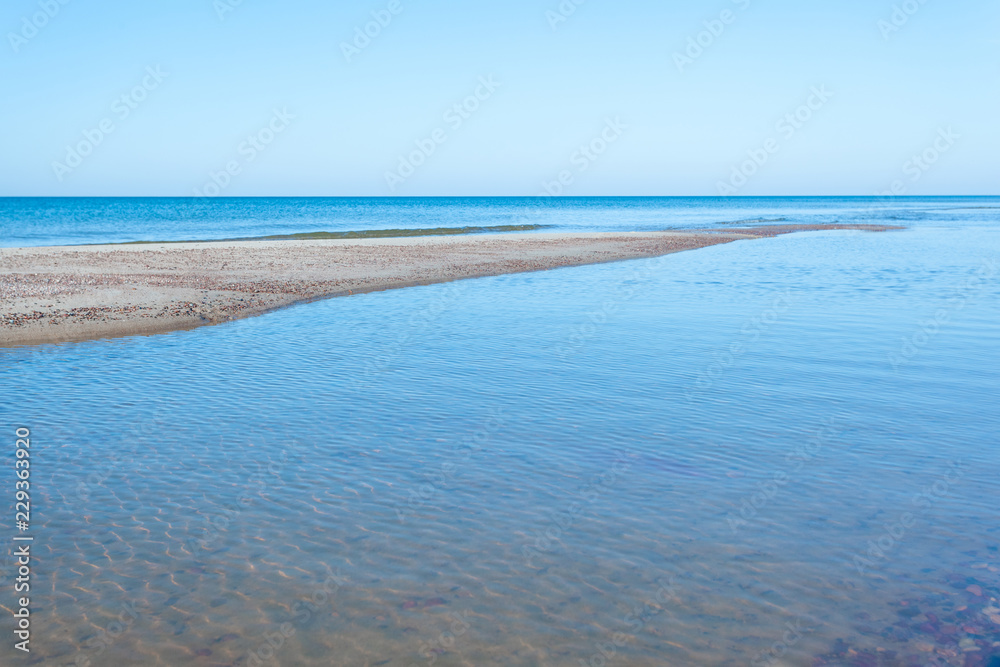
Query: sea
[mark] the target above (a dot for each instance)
(778, 451)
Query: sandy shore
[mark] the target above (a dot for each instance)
(58, 294)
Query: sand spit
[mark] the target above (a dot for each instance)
(59, 294)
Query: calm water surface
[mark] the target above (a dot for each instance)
(38, 221)
(780, 452)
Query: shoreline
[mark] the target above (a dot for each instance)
(58, 294)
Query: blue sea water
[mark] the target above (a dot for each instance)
(780, 451)
(70, 220)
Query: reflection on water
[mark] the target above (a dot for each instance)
(767, 452)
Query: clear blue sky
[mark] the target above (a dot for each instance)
(684, 130)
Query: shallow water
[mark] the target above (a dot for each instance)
(76, 220)
(682, 455)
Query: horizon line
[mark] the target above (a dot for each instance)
(534, 197)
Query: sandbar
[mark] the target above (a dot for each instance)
(70, 293)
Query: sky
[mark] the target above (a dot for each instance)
(512, 98)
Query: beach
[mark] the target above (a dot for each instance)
(675, 460)
(70, 293)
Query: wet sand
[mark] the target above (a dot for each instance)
(69, 293)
